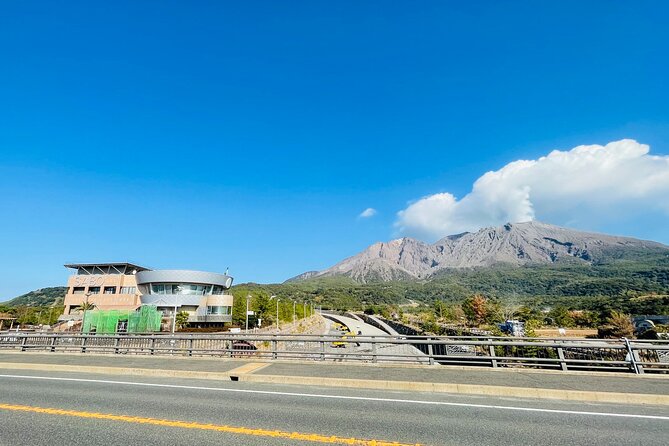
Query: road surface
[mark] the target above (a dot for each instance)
(388, 350)
(42, 408)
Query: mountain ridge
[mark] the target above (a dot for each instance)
(40, 297)
(515, 244)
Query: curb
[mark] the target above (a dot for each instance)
(468, 389)
(646, 376)
(465, 389)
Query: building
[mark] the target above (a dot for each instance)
(108, 286)
(126, 286)
(202, 295)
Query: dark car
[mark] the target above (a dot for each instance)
(242, 348)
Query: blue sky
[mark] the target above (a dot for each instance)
(203, 135)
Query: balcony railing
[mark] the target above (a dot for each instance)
(210, 318)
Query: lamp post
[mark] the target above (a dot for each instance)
(174, 318)
(247, 312)
(304, 308)
(273, 296)
(83, 318)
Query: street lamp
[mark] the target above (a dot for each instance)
(174, 318)
(273, 296)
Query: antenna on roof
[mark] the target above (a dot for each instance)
(226, 270)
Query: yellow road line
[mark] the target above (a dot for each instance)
(248, 368)
(314, 438)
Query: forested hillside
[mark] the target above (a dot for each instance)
(636, 286)
(639, 286)
(40, 297)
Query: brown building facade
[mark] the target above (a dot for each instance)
(108, 286)
(126, 286)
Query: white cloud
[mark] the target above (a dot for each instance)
(586, 183)
(367, 213)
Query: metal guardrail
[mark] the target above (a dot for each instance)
(631, 356)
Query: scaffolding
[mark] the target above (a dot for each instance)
(145, 320)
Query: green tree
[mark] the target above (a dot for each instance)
(585, 318)
(618, 325)
(86, 306)
(265, 309)
(439, 307)
(561, 316)
(181, 320)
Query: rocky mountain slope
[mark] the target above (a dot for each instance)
(511, 244)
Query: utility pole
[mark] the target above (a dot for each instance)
(277, 310)
(247, 312)
(294, 316)
(174, 318)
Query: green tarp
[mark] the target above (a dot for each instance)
(146, 319)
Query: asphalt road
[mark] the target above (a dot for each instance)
(109, 410)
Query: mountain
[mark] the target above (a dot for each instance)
(41, 297)
(518, 244)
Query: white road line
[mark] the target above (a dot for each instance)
(342, 397)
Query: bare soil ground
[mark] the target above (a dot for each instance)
(569, 332)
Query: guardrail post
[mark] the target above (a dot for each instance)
(563, 362)
(374, 358)
(430, 352)
(23, 343)
(53, 344)
(190, 347)
(637, 359)
(493, 355)
(83, 344)
(322, 350)
(633, 358)
(275, 347)
(117, 341)
(152, 349)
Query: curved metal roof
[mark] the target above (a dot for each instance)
(183, 276)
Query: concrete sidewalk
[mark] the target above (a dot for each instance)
(523, 383)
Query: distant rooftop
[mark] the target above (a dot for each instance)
(106, 268)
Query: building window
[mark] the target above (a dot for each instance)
(94, 290)
(219, 311)
(167, 312)
(78, 290)
(128, 290)
(191, 289)
(110, 290)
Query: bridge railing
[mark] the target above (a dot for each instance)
(622, 355)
